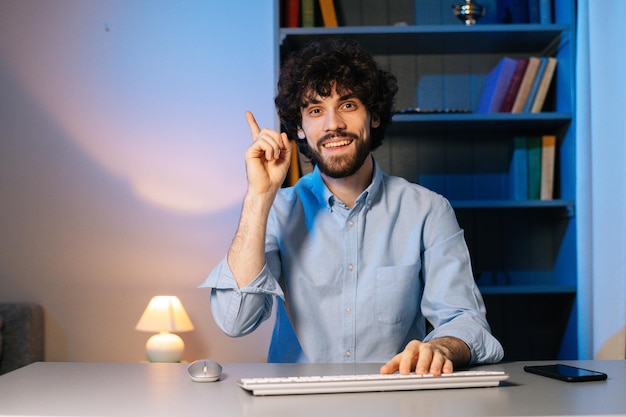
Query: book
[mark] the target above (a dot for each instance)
(291, 13)
(545, 12)
(514, 84)
(293, 175)
(535, 85)
(520, 11)
(512, 11)
(534, 167)
(496, 86)
(533, 11)
(307, 8)
(504, 11)
(548, 153)
(527, 82)
(518, 169)
(329, 15)
(544, 86)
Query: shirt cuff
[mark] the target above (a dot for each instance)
(222, 278)
(484, 348)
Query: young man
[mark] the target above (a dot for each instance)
(362, 260)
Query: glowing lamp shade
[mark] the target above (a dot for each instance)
(165, 314)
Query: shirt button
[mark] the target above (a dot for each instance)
(348, 353)
(350, 267)
(348, 310)
(350, 223)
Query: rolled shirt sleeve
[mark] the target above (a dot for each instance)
(239, 311)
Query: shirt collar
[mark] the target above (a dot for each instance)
(326, 198)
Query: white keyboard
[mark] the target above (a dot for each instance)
(369, 382)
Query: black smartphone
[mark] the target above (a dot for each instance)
(566, 373)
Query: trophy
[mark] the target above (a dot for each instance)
(469, 12)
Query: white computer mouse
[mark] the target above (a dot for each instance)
(204, 370)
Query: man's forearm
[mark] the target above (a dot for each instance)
(246, 255)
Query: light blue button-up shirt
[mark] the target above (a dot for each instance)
(358, 283)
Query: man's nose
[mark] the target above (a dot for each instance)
(333, 121)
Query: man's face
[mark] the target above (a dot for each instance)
(337, 129)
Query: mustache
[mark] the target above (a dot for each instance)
(336, 134)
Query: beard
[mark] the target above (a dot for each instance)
(344, 165)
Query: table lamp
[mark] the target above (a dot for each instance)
(165, 314)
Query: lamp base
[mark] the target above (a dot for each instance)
(165, 347)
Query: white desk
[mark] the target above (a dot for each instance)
(124, 389)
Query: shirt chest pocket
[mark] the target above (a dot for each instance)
(397, 293)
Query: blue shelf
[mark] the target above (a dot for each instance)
(528, 289)
(437, 39)
(568, 206)
(454, 122)
(497, 204)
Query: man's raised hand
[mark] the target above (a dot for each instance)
(267, 159)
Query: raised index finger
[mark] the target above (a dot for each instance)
(253, 125)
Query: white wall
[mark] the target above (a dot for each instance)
(122, 134)
(602, 158)
(608, 160)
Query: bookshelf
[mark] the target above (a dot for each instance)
(523, 251)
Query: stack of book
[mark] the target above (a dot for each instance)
(306, 13)
(532, 167)
(517, 85)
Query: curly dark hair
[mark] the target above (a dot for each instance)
(333, 63)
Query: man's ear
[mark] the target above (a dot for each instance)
(375, 121)
(301, 134)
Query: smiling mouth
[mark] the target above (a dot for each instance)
(337, 144)
(335, 140)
